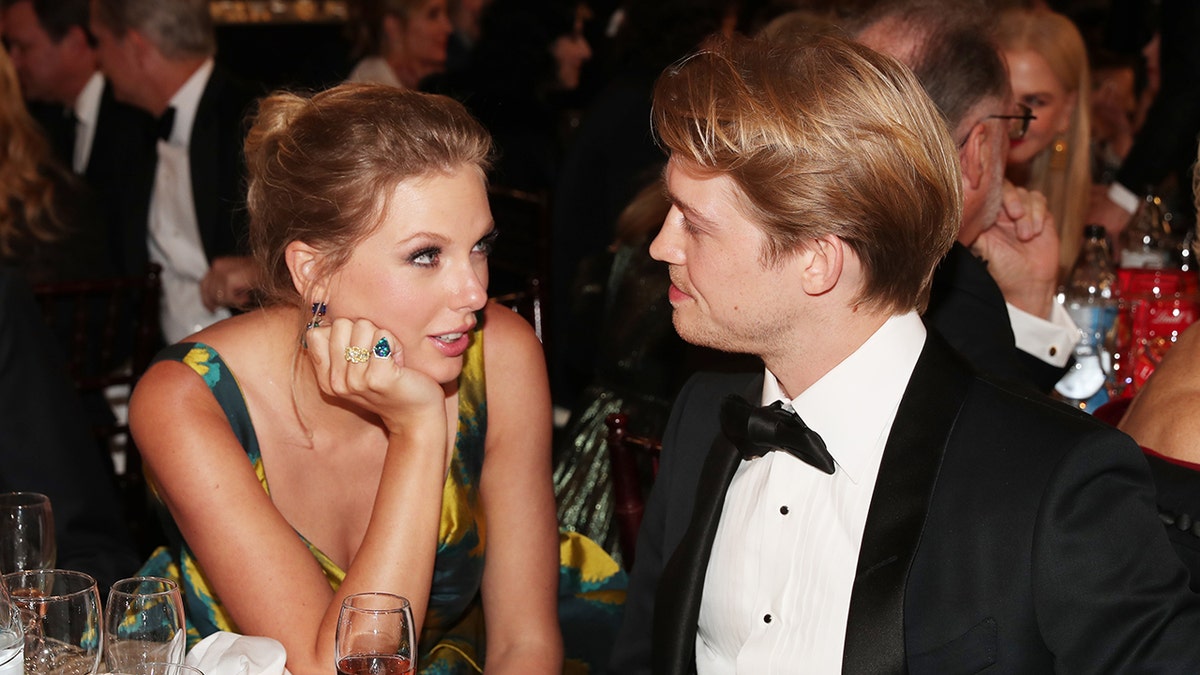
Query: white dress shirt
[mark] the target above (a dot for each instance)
(777, 592)
(87, 114)
(173, 232)
(374, 70)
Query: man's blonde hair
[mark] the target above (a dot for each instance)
(823, 137)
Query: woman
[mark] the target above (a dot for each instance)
(391, 410)
(47, 229)
(405, 41)
(1047, 62)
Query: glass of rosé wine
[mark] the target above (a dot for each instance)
(375, 635)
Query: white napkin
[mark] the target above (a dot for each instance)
(225, 653)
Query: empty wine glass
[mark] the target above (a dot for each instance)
(60, 614)
(26, 532)
(375, 635)
(143, 623)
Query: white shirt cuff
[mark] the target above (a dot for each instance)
(1123, 197)
(1051, 340)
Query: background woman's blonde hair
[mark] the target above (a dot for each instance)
(822, 136)
(1066, 184)
(26, 191)
(322, 168)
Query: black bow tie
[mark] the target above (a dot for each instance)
(166, 124)
(756, 431)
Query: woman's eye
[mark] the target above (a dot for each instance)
(486, 244)
(427, 257)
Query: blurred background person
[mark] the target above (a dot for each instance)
(522, 73)
(48, 229)
(1048, 69)
(187, 207)
(404, 41)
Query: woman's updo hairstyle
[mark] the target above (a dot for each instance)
(323, 167)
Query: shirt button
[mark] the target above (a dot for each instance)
(766, 618)
(783, 510)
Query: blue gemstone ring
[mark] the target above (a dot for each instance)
(382, 349)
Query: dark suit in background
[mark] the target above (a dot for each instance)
(1005, 532)
(968, 309)
(47, 446)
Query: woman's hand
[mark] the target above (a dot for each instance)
(360, 363)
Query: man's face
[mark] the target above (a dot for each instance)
(40, 61)
(724, 296)
(117, 60)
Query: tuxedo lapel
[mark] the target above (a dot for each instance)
(903, 490)
(681, 584)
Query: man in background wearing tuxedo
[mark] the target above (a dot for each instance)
(190, 215)
(95, 136)
(925, 519)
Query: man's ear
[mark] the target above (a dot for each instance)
(822, 260)
(76, 40)
(974, 155)
(305, 266)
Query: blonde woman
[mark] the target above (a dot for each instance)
(1047, 63)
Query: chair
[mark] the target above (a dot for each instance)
(629, 502)
(109, 330)
(519, 265)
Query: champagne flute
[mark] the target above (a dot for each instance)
(375, 635)
(143, 623)
(26, 532)
(60, 612)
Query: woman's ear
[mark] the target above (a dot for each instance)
(305, 265)
(393, 31)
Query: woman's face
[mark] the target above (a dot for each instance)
(570, 51)
(426, 33)
(1035, 85)
(423, 273)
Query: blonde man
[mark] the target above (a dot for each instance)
(911, 515)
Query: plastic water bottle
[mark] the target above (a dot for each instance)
(1146, 242)
(1090, 299)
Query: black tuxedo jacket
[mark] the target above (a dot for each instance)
(967, 308)
(218, 176)
(1006, 532)
(47, 446)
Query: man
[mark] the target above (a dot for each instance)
(1166, 141)
(56, 62)
(993, 295)
(91, 132)
(158, 56)
(814, 189)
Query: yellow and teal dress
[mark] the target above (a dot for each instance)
(591, 585)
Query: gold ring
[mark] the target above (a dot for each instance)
(357, 354)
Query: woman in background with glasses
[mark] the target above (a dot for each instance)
(1047, 63)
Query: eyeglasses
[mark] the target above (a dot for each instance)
(1018, 125)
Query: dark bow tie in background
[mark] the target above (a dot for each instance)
(166, 124)
(756, 431)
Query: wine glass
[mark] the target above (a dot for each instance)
(143, 623)
(375, 635)
(60, 613)
(26, 532)
(12, 636)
